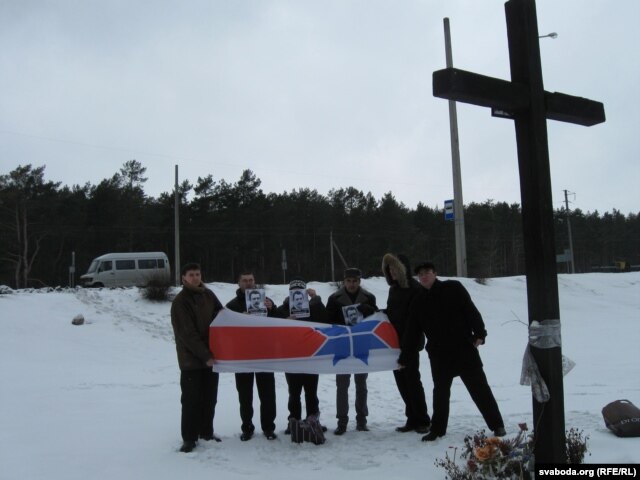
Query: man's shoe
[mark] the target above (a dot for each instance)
(213, 436)
(405, 428)
(246, 436)
(187, 446)
(431, 436)
(362, 427)
(324, 429)
(340, 430)
(422, 429)
(500, 432)
(270, 435)
(287, 431)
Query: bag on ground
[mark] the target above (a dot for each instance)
(308, 430)
(623, 418)
(295, 427)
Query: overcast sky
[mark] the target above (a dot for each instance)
(314, 94)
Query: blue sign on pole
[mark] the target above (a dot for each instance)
(448, 210)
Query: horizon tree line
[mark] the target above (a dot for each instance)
(231, 227)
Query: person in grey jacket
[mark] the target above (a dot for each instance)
(351, 294)
(192, 311)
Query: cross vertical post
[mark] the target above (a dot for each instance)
(537, 223)
(525, 101)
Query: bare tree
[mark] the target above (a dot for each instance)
(21, 195)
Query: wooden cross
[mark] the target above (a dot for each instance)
(524, 100)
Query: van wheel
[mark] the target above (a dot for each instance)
(98, 285)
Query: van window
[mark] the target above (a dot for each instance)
(146, 264)
(125, 264)
(105, 266)
(161, 263)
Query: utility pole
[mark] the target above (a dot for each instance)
(566, 210)
(177, 230)
(458, 204)
(72, 270)
(284, 266)
(333, 270)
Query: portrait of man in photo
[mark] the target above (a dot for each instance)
(298, 303)
(351, 314)
(255, 302)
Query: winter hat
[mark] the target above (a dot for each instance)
(424, 266)
(352, 273)
(297, 284)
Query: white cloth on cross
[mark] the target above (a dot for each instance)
(545, 334)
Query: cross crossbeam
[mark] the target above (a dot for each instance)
(505, 97)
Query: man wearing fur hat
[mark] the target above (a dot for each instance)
(350, 294)
(315, 312)
(402, 290)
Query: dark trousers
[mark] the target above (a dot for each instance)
(296, 382)
(342, 398)
(265, 381)
(476, 382)
(410, 387)
(199, 398)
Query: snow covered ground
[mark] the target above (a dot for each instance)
(102, 400)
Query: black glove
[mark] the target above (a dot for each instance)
(366, 310)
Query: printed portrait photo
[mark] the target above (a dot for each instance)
(255, 302)
(299, 303)
(351, 314)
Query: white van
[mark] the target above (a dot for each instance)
(126, 269)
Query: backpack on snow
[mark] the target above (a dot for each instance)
(308, 430)
(623, 418)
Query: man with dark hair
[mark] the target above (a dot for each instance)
(403, 288)
(296, 382)
(454, 329)
(297, 301)
(192, 311)
(255, 301)
(351, 294)
(265, 381)
(351, 315)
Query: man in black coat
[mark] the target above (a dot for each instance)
(454, 329)
(402, 290)
(351, 294)
(265, 381)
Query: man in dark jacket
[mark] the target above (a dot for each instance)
(454, 329)
(192, 311)
(265, 381)
(402, 290)
(351, 293)
(297, 381)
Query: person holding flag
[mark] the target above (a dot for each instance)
(340, 306)
(265, 381)
(192, 311)
(296, 382)
(403, 288)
